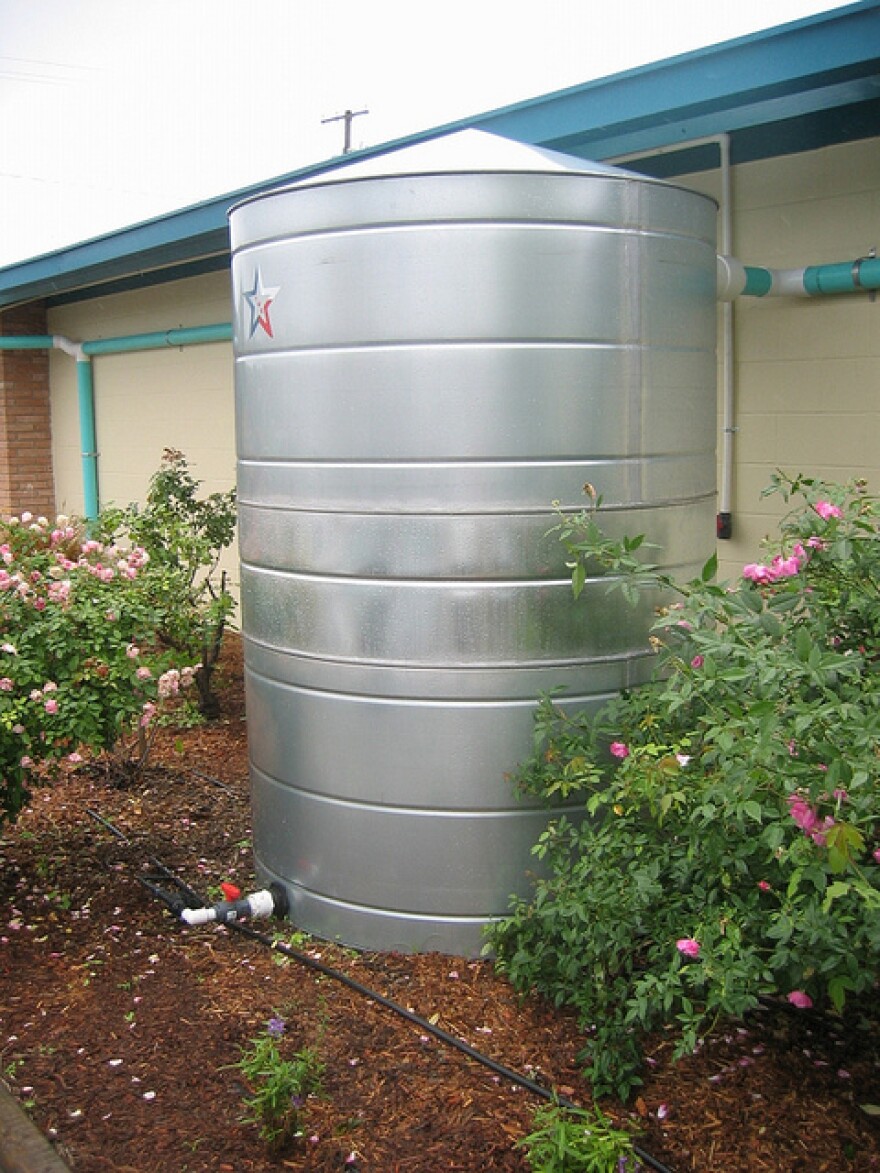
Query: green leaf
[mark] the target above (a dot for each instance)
(837, 989)
(578, 578)
(752, 599)
(753, 810)
(770, 623)
(803, 645)
(835, 890)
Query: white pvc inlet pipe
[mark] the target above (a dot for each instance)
(260, 903)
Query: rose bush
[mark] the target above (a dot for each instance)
(731, 846)
(78, 666)
(185, 535)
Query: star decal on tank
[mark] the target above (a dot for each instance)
(259, 299)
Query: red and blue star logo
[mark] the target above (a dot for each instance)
(259, 299)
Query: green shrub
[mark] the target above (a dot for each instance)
(78, 666)
(731, 848)
(185, 536)
(101, 623)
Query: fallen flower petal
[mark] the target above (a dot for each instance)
(800, 999)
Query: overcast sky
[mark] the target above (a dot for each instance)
(114, 111)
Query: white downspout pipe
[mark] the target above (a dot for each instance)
(726, 342)
(723, 522)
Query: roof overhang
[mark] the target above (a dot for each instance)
(804, 85)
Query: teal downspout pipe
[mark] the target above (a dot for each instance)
(86, 401)
(83, 352)
(85, 393)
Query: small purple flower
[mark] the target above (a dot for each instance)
(275, 1026)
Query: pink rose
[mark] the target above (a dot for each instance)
(786, 567)
(619, 749)
(827, 510)
(688, 946)
(758, 573)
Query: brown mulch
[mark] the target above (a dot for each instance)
(120, 1028)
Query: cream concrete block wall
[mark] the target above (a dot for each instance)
(807, 370)
(146, 401)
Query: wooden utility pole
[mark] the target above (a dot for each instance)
(347, 118)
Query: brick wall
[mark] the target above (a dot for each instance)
(26, 475)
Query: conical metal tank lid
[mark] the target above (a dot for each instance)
(463, 151)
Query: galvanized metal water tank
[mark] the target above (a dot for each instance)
(431, 348)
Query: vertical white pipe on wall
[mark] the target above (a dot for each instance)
(726, 343)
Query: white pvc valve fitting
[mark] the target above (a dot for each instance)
(260, 903)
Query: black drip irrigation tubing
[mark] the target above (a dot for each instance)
(176, 903)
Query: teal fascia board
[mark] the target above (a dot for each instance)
(795, 68)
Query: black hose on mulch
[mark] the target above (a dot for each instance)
(180, 898)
